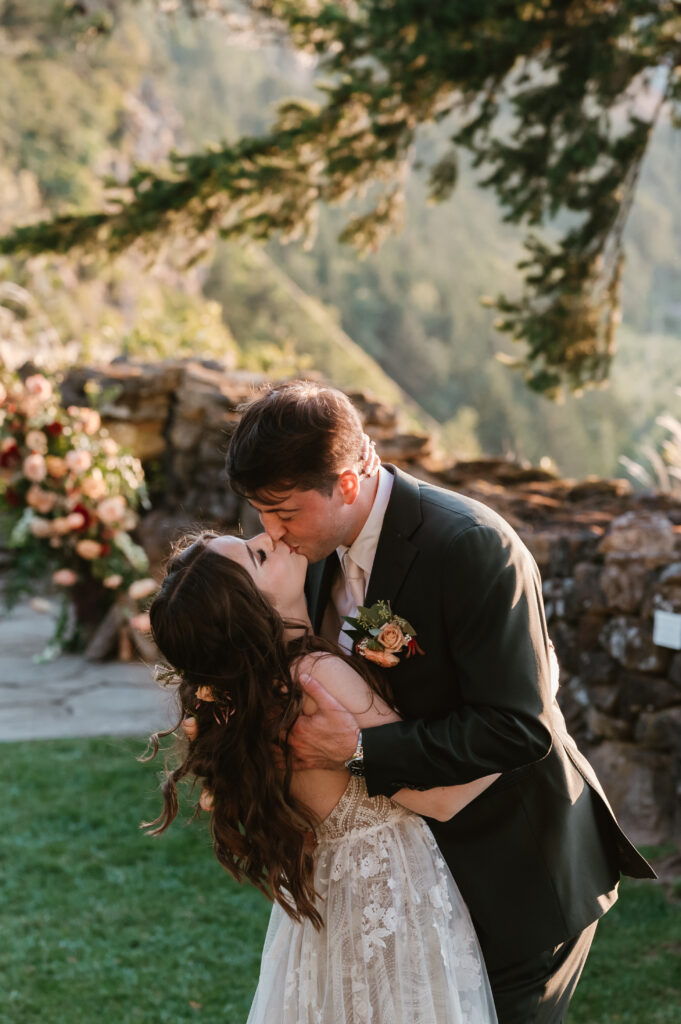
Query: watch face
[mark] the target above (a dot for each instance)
(355, 766)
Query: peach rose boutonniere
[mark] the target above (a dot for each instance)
(380, 636)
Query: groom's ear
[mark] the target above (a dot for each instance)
(348, 481)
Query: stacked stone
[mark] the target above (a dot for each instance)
(622, 692)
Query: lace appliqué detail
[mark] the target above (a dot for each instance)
(397, 944)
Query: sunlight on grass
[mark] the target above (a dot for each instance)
(101, 924)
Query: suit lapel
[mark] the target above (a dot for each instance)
(320, 576)
(395, 551)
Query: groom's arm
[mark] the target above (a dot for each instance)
(489, 597)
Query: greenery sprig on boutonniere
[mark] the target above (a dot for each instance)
(379, 635)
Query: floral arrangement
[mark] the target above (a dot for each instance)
(68, 500)
(379, 635)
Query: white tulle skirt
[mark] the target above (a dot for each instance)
(397, 946)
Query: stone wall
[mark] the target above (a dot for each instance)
(609, 558)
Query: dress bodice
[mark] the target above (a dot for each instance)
(356, 811)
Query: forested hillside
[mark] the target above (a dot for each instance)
(71, 114)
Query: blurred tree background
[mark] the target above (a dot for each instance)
(95, 95)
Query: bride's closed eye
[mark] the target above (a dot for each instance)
(260, 552)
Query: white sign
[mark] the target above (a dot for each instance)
(667, 630)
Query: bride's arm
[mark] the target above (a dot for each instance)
(349, 688)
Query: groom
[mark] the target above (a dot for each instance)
(539, 854)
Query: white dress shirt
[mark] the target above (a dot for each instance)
(345, 593)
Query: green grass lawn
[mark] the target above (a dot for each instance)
(102, 925)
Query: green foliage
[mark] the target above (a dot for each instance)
(546, 96)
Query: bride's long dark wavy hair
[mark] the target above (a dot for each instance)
(216, 630)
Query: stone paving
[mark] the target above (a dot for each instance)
(70, 696)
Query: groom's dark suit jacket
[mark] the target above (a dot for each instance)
(538, 855)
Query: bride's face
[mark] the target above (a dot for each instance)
(277, 570)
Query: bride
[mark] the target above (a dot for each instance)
(368, 924)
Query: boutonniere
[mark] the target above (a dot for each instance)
(379, 635)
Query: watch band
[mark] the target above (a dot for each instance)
(355, 763)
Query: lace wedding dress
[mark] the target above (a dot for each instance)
(397, 945)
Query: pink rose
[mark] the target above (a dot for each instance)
(41, 501)
(383, 658)
(3, 393)
(76, 520)
(61, 526)
(112, 510)
(206, 800)
(38, 386)
(141, 622)
(88, 549)
(94, 485)
(391, 637)
(56, 467)
(35, 468)
(92, 421)
(142, 588)
(64, 577)
(78, 461)
(112, 582)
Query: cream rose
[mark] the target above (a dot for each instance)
(89, 549)
(61, 526)
(38, 386)
(112, 582)
(36, 441)
(3, 393)
(56, 467)
(383, 658)
(35, 468)
(40, 527)
(142, 588)
(64, 577)
(109, 446)
(391, 637)
(78, 461)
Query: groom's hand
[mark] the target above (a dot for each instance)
(327, 737)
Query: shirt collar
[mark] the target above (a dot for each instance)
(363, 548)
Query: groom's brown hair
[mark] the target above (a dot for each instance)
(299, 434)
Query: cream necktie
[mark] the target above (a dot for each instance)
(354, 576)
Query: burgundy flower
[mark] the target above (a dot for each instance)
(10, 455)
(54, 429)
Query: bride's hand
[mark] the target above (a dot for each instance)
(370, 459)
(327, 737)
(190, 728)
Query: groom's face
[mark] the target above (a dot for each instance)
(311, 523)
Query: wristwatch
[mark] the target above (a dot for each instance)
(355, 764)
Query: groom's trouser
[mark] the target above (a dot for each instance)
(539, 990)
